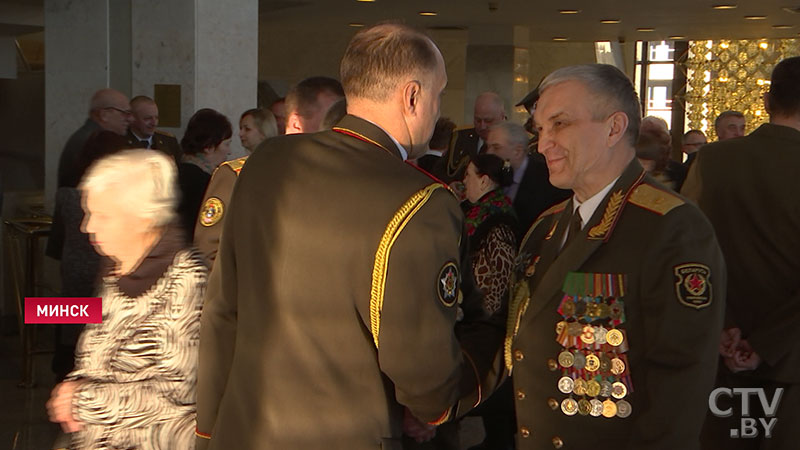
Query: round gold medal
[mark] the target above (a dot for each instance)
(584, 407)
(560, 327)
(566, 385)
(614, 337)
(580, 387)
(624, 409)
(587, 334)
(609, 409)
(212, 212)
(566, 359)
(597, 407)
(617, 366)
(569, 406)
(618, 390)
(592, 363)
(592, 388)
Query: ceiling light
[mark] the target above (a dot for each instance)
(609, 21)
(724, 6)
(755, 17)
(781, 27)
(355, 24)
(723, 79)
(560, 39)
(763, 45)
(569, 11)
(676, 38)
(366, 1)
(724, 45)
(645, 29)
(427, 13)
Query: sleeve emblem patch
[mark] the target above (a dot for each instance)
(447, 284)
(212, 212)
(693, 285)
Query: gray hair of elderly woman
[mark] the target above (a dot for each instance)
(143, 179)
(612, 89)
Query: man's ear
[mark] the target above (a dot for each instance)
(617, 125)
(293, 123)
(766, 103)
(411, 93)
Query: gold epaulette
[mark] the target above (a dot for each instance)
(164, 133)
(654, 199)
(236, 164)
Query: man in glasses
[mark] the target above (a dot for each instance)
(110, 110)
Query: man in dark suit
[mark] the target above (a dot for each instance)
(142, 132)
(489, 109)
(440, 143)
(333, 299)
(618, 291)
(748, 188)
(531, 192)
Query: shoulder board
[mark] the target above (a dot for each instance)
(236, 164)
(164, 133)
(654, 199)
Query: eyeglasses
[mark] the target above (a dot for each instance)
(126, 112)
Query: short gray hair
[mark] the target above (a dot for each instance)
(724, 115)
(144, 179)
(608, 83)
(516, 133)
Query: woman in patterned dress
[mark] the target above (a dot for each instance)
(491, 236)
(133, 386)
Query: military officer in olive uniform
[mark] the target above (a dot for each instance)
(332, 303)
(142, 131)
(748, 188)
(619, 292)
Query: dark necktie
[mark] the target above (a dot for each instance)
(575, 223)
(145, 144)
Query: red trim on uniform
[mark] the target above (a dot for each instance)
(443, 418)
(201, 434)
(428, 174)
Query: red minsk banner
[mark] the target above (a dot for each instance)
(63, 310)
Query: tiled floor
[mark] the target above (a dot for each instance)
(23, 419)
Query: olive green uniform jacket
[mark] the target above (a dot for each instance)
(332, 300)
(748, 187)
(648, 265)
(208, 229)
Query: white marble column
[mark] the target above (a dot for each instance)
(497, 60)
(76, 65)
(208, 47)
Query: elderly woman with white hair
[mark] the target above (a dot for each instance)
(135, 373)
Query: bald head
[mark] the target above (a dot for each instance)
(489, 109)
(111, 110)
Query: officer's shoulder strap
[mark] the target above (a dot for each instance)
(236, 164)
(655, 199)
(164, 133)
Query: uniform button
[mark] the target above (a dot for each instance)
(524, 432)
(520, 394)
(518, 355)
(552, 365)
(557, 442)
(552, 403)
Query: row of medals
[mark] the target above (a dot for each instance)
(591, 362)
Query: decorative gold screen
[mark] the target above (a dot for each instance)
(731, 75)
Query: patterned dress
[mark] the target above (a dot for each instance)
(139, 366)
